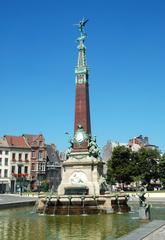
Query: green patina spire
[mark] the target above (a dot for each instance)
(82, 70)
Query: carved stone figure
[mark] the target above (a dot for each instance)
(93, 147)
(68, 151)
(78, 177)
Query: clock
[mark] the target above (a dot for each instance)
(80, 136)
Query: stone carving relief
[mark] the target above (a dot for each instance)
(78, 177)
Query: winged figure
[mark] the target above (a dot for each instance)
(81, 25)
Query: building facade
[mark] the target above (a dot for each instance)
(53, 167)
(5, 166)
(25, 161)
(19, 163)
(38, 158)
(137, 142)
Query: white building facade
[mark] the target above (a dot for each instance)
(5, 166)
(15, 159)
(20, 168)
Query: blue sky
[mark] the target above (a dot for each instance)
(126, 55)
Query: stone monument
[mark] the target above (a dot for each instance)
(82, 170)
(83, 189)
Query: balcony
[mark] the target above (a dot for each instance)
(20, 174)
(13, 160)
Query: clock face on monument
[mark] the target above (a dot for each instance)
(80, 136)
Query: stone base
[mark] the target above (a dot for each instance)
(80, 175)
(77, 205)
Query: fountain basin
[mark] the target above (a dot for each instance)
(78, 205)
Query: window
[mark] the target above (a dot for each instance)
(19, 169)
(0, 172)
(40, 143)
(0, 161)
(13, 156)
(20, 156)
(26, 156)
(13, 169)
(6, 161)
(0, 151)
(6, 173)
(6, 152)
(26, 169)
(41, 167)
(33, 166)
(40, 155)
(33, 154)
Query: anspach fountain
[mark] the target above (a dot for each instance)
(83, 186)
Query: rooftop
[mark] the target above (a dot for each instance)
(3, 142)
(16, 141)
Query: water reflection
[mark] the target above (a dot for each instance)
(20, 224)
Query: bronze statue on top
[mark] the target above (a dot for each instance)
(81, 25)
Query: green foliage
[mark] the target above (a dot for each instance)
(127, 166)
(162, 169)
(120, 164)
(110, 178)
(148, 163)
(44, 186)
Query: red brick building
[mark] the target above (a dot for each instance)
(38, 158)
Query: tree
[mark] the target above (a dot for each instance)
(135, 168)
(120, 165)
(128, 166)
(148, 164)
(162, 169)
(110, 178)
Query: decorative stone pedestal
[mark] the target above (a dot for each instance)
(80, 175)
(80, 204)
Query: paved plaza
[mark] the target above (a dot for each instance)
(158, 234)
(13, 200)
(151, 231)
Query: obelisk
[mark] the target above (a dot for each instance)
(82, 125)
(82, 168)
